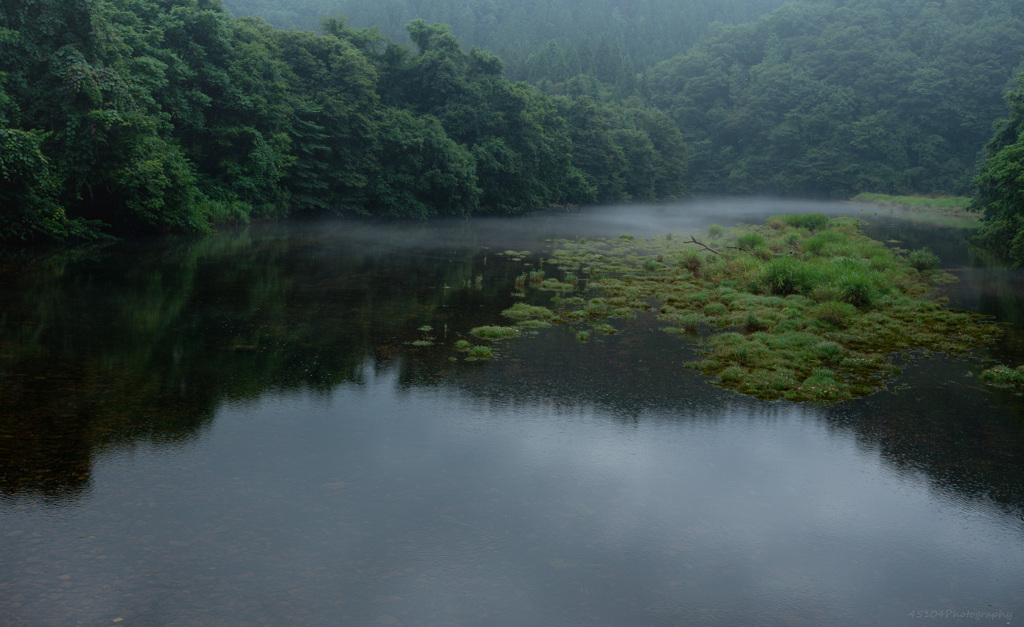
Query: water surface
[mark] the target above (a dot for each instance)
(236, 430)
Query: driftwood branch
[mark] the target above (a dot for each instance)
(703, 245)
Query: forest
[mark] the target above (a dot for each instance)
(134, 116)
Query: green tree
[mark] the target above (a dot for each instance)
(1000, 182)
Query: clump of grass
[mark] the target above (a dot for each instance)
(784, 275)
(828, 351)
(554, 285)
(626, 236)
(1003, 375)
(750, 241)
(823, 386)
(536, 276)
(522, 311)
(463, 345)
(494, 332)
(835, 313)
(809, 221)
(605, 329)
(583, 336)
(923, 259)
(753, 322)
(691, 260)
(479, 353)
(715, 231)
(715, 309)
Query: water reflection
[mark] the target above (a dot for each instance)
(378, 504)
(237, 430)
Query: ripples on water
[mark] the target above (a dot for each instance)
(235, 430)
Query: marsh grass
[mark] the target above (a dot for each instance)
(1004, 375)
(478, 353)
(523, 312)
(802, 308)
(495, 332)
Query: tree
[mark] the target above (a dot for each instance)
(1000, 182)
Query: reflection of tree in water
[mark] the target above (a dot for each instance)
(141, 342)
(937, 419)
(964, 436)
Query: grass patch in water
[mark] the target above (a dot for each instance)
(478, 353)
(495, 333)
(1004, 375)
(811, 308)
(522, 311)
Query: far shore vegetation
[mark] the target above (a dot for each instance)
(804, 307)
(930, 203)
(953, 211)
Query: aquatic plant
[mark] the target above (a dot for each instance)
(750, 241)
(583, 336)
(480, 352)
(809, 221)
(923, 259)
(494, 332)
(522, 311)
(820, 306)
(1004, 375)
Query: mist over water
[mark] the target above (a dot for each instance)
(237, 430)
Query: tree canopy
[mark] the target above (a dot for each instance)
(1000, 182)
(168, 115)
(832, 98)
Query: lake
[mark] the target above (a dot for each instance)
(270, 426)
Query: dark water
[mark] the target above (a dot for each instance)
(237, 430)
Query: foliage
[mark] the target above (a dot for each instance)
(155, 116)
(830, 99)
(819, 319)
(1003, 375)
(941, 203)
(541, 39)
(1000, 183)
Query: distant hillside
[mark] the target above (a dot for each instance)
(638, 33)
(834, 98)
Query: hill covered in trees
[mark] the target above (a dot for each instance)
(151, 115)
(156, 115)
(538, 39)
(831, 98)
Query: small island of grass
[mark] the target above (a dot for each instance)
(804, 308)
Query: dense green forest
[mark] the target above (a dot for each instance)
(120, 116)
(831, 98)
(142, 115)
(1000, 184)
(540, 40)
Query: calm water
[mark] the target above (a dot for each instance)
(237, 430)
